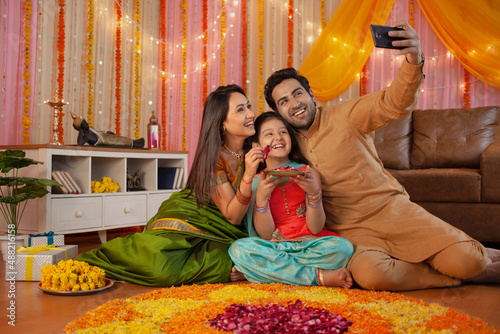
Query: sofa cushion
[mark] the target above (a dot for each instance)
(452, 138)
(460, 185)
(393, 143)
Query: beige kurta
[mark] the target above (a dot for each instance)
(363, 202)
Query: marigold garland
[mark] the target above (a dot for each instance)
(466, 89)
(26, 122)
(244, 37)
(90, 65)
(118, 69)
(163, 69)
(261, 55)
(137, 68)
(290, 34)
(61, 41)
(223, 43)
(191, 308)
(184, 76)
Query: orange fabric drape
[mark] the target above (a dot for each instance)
(343, 47)
(470, 29)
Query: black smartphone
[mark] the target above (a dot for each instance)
(381, 37)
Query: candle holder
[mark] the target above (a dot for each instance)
(56, 105)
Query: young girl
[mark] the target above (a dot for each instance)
(288, 242)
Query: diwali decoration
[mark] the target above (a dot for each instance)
(153, 133)
(88, 135)
(57, 106)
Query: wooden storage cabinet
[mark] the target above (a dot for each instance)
(85, 212)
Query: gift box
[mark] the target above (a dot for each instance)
(48, 238)
(30, 260)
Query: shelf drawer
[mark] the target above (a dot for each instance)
(155, 201)
(125, 210)
(76, 213)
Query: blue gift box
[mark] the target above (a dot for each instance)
(48, 238)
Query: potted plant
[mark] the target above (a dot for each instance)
(15, 191)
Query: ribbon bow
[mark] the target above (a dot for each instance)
(49, 235)
(35, 250)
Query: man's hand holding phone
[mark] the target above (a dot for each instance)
(402, 37)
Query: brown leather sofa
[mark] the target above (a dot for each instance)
(448, 160)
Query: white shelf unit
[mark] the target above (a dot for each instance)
(86, 212)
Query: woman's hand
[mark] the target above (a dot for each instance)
(252, 160)
(309, 182)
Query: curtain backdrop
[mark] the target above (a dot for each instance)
(276, 35)
(470, 29)
(444, 83)
(343, 47)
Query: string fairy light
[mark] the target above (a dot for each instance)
(4, 59)
(90, 64)
(261, 55)
(244, 28)
(223, 43)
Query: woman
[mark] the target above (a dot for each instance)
(288, 241)
(187, 240)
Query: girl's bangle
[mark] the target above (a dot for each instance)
(314, 194)
(245, 200)
(314, 203)
(263, 209)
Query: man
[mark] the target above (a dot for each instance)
(398, 245)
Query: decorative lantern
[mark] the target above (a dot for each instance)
(153, 133)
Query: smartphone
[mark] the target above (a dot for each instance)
(381, 37)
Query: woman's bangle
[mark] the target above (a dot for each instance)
(242, 198)
(243, 180)
(262, 209)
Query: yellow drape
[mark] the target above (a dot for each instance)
(343, 47)
(470, 29)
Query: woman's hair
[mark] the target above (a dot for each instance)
(277, 77)
(209, 142)
(294, 154)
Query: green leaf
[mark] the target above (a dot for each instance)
(15, 159)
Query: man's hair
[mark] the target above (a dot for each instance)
(276, 78)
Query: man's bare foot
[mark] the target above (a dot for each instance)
(493, 254)
(236, 275)
(491, 274)
(337, 278)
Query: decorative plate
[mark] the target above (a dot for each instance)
(109, 284)
(283, 172)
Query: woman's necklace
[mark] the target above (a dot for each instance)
(237, 155)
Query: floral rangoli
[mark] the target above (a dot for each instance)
(272, 308)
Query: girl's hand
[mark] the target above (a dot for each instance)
(310, 182)
(252, 160)
(265, 188)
